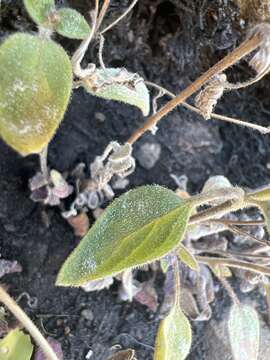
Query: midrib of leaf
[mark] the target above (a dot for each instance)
(152, 224)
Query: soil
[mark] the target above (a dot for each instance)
(170, 43)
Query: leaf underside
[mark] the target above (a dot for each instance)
(244, 332)
(137, 228)
(174, 336)
(72, 24)
(16, 346)
(35, 87)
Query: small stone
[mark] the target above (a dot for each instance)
(87, 314)
(120, 183)
(148, 155)
(100, 116)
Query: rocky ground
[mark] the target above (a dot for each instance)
(170, 43)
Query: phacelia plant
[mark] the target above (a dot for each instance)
(146, 225)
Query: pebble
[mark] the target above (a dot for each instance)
(87, 314)
(148, 155)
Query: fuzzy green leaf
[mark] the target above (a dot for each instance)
(174, 336)
(72, 24)
(119, 85)
(244, 332)
(35, 87)
(139, 227)
(16, 346)
(187, 258)
(39, 10)
(260, 195)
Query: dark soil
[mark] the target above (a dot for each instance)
(170, 43)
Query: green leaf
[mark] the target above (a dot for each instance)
(39, 10)
(174, 336)
(72, 24)
(16, 346)
(117, 84)
(139, 227)
(165, 264)
(35, 87)
(260, 195)
(187, 258)
(244, 332)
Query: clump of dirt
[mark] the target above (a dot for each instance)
(167, 42)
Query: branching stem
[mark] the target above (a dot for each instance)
(244, 49)
(261, 129)
(213, 261)
(131, 6)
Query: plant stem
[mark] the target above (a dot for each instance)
(216, 211)
(261, 129)
(131, 6)
(28, 324)
(102, 13)
(80, 52)
(239, 222)
(43, 162)
(212, 261)
(225, 283)
(177, 287)
(223, 194)
(244, 49)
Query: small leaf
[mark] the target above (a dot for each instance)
(174, 336)
(260, 195)
(35, 87)
(244, 332)
(16, 346)
(165, 264)
(139, 227)
(39, 10)
(187, 258)
(72, 24)
(119, 85)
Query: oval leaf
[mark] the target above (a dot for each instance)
(119, 85)
(244, 332)
(187, 258)
(72, 24)
(139, 227)
(260, 195)
(39, 10)
(174, 336)
(35, 87)
(16, 346)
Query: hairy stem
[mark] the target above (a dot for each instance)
(217, 211)
(80, 52)
(225, 283)
(102, 13)
(177, 286)
(261, 129)
(213, 261)
(28, 324)
(244, 49)
(131, 6)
